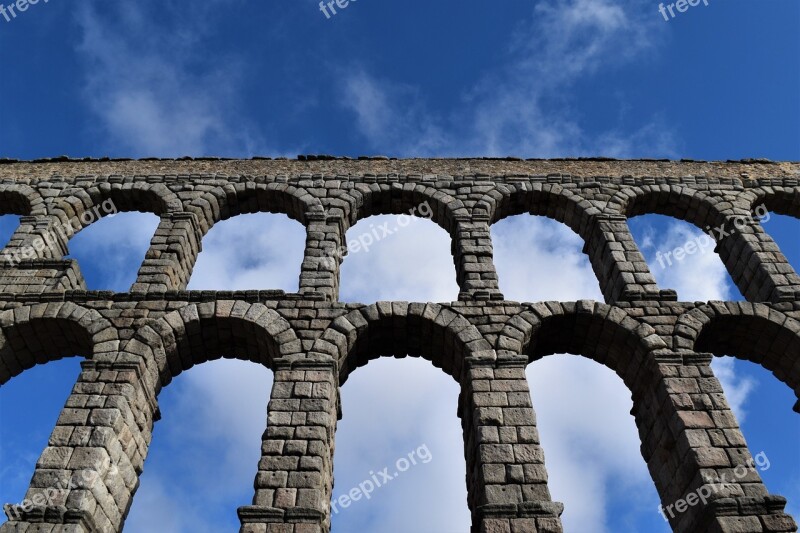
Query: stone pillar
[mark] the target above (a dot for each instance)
(755, 262)
(32, 261)
(294, 483)
(323, 255)
(506, 476)
(474, 258)
(38, 237)
(697, 454)
(618, 263)
(173, 252)
(86, 477)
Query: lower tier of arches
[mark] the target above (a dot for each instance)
(132, 351)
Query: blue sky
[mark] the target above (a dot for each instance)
(526, 78)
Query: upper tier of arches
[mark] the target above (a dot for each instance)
(595, 210)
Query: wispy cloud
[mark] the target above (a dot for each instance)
(521, 108)
(144, 82)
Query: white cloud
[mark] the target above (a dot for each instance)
(539, 259)
(143, 84)
(268, 251)
(700, 276)
(391, 408)
(412, 264)
(205, 450)
(391, 116)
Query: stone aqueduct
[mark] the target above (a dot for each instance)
(136, 343)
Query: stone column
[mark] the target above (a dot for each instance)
(86, 477)
(32, 261)
(474, 258)
(323, 255)
(698, 456)
(761, 272)
(618, 263)
(506, 476)
(173, 252)
(295, 475)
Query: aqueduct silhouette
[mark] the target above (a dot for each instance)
(135, 343)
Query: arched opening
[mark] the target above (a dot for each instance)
(30, 404)
(592, 447)
(419, 408)
(682, 257)
(251, 251)
(540, 259)
(214, 416)
(594, 425)
(111, 250)
(205, 449)
(400, 258)
(39, 363)
(399, 415)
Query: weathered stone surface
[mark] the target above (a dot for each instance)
(135, 343)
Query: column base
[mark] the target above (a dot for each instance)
(263, 519)
(78, 521)
(527, 517)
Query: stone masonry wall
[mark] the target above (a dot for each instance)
(134, 344)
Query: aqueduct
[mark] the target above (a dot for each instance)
(135, 343)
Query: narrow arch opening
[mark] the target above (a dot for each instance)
(251, 251)
(592, 447)
(400, 258)
(30, 405)
(399, 415)
(784, 230)
(540, 259)
(8, 225)
(111, 250)
(682, 257)
(205, 450)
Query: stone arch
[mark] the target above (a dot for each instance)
(431, 331)
(228, 200)
(21, 200)
(605, 334)
(743, 248)
(749, 331)
(198, 333)
(142, 197)
(781, 200)
(44, 332)
(370, 199)
(681, 202)
(544, 199)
